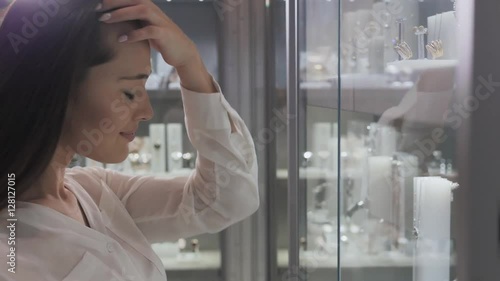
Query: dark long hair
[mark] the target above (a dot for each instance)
(46, 51)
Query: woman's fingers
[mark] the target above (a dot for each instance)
(106, 5)
(137, 12)
(163, 34)
(125, 14)
(145, 33)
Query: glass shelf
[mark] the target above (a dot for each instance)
(207, 260)
(387, 261)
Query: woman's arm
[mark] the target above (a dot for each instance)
(221, 191)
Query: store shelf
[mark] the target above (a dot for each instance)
(375, 93)
(308, 173)
(211, 260)
(321, 95)
(387, 260)
(364, 93)
(377, 101)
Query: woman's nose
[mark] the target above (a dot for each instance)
(145, 110)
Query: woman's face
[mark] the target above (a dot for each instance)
(112, 100)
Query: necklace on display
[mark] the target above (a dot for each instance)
(417, 211)
(435, 47)
(420, 32)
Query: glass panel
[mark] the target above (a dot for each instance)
(396, 130)
(398, 143)
(280, 205)
(318, 138)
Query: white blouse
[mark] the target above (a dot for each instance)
(128, 213)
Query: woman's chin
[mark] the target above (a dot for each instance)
(117, 157)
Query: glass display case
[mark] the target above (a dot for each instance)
(372, 148)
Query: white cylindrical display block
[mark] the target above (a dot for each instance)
(432, 219)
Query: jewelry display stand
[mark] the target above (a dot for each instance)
(384, 138)
(403, 49)
(380, 187)
(435, 46)
(448, 34)
(158, 161)
(405, 169)
(174, 146)
(380, 203)
(420, 32)
(432, 222)
(390, 184)
(410, 12)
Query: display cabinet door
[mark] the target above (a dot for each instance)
(313, 139)
(373, 159)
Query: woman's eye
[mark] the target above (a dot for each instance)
(129, 95)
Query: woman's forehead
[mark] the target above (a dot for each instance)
(135, 55)
(111, 31)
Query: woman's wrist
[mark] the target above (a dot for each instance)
(195, 77)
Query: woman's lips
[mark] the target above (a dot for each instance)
(128, 136)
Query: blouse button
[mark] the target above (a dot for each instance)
(110, 247)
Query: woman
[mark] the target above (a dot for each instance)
(72, 81)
